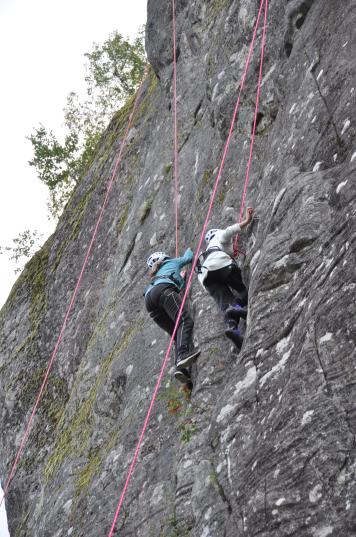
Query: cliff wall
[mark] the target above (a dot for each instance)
(266, 446)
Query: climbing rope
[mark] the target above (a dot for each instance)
(175, 127)
(189, 282)
(249, 163)
(75, 292)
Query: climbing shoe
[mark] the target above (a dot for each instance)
(235, 336)
(236, 312)
(188, 358)
(183, 376)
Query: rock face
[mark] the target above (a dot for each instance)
(266, 446)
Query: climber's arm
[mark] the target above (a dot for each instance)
(248, 218)
(227, 234)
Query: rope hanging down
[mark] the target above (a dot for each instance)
(75, 292)
(175, 127)
(249, 163)
(189, 282)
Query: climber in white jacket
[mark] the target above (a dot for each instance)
(220, 275)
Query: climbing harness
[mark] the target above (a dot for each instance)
(74, 294)
(213, 195)
(166, 277)
(203, 256)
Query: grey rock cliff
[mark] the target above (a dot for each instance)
(266, 446)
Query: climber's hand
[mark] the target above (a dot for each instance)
(183, 274)
(248, 218)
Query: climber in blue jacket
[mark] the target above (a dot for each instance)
(163, 303)
(221, 277)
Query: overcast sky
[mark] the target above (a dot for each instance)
(3, 522)
(42, 44)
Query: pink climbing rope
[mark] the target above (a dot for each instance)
(248, 168)
(175, 127)
(75, 292)
(188, 285)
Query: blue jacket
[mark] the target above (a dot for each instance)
(172, 267)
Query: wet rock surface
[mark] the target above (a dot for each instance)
(266, 444)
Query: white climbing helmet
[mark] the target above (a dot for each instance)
(210, 234)
(156, 256)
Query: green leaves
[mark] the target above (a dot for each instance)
(114, 71)
(23, 246)
(53, 160)
(56, 165)
(115, 68)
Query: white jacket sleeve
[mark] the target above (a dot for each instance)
(227, 234)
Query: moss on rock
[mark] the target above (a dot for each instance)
(21, 530)
(87, 473)
(146, 104)
(123, 218)
(146, 207)
(215, 7)
(205, 184)
(73, 438)
(75, 215)
(50, 411)
(33, 277)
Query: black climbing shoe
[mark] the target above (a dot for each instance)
(187, 359)
(183, 376)
(235, 336)
(236, 312)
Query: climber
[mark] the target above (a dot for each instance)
(163, 303)
(220, 275)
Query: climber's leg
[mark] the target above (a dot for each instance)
(160, 316)
(236, 312)
(233, 333)
(170, 302)
(216, 284)
(157, 313)
(234, 280)
(217, 287)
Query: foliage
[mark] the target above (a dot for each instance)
(23, 246)
(180, 406)
(174, 399)
(56, 165)
(173, 529)
(187, 429)
(114, 70)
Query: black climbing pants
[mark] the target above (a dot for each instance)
(163, 303)
(220, 283)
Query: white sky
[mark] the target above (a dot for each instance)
(3, 522)
(42, 46)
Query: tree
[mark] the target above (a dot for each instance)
(24, 246)
(56, 165)
(114, 70)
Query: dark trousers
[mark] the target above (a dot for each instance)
(219, 283)
(163, 303)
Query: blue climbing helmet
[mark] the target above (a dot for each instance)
(157, 256)
(210, 234)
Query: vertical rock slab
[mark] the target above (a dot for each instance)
(266, 444)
